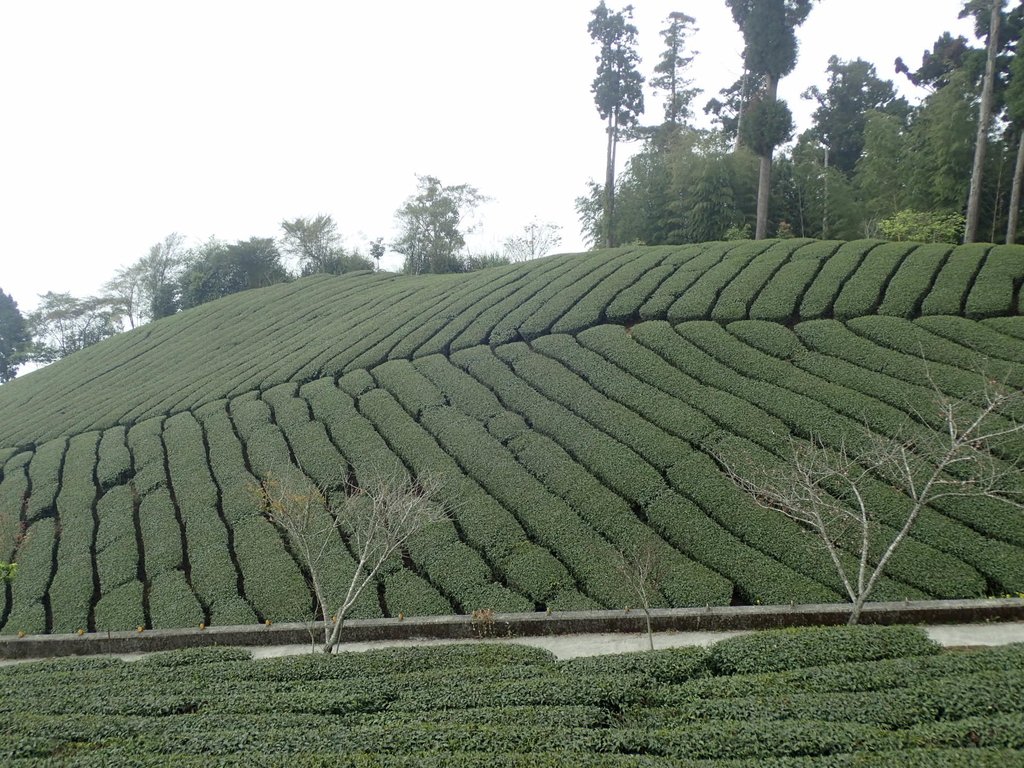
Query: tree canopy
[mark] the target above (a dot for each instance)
(14, 337)
(432, 226)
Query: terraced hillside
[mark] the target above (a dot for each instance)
(574, 399)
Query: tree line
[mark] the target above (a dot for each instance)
(171, 277)
(870, 164)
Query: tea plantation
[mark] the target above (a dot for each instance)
(571, 404)
(810, 698)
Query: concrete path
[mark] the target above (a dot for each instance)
(572, 646)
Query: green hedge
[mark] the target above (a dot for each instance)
(821, 295)
(13, 488)
(545, 518)
(117, 553)
(699, 298)
(913, 280)
(863, 291)
(442, 322)
(214, 575)
(955, 280)
(476, 324)
(776, 650)
(71, 592)
(34, 573)
(592, 307)
(779, 300)
(625, 307)
(172, 603)
(736, 298)
(44, 476)
(114, 463)
(455, 553)
(536, 315)
(485, 704)
(982, 337)
(691, 262)
(995, 289)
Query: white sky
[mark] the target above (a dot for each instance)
(121, 122)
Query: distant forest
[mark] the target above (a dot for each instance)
(870, 164)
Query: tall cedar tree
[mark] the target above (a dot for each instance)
(1015, 112)
(995, 8)
(770, 50)
(618, 91)
(670, 69)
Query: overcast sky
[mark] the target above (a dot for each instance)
(125, 121)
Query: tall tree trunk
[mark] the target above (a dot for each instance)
(984, 117)
(609, 184)
(764, 178)
(1018, 175)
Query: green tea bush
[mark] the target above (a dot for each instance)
(114, 463)
(625, 307)
(71, 590)
(693, 261)
(34, 572)
(979, 336)
(44, 476)
(736, 298)
(997, 284)
(821, 295)
(776, 650)
(536, 315)
(673, 665)
(592, 307)
(779, 300)
(955, 280)
(863, 291)
(913, 280)
(699, 299)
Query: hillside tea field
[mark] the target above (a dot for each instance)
(571, 404)
(810, 698)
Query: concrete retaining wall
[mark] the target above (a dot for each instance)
(708, 619)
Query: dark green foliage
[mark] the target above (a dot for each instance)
(778, 650)
(34, 572)
(895, 702)
(779, 300)
(997, 285)
(863, 292)
(13, 488)
(565, 428)
(823, 292)
(14, 337)
(71, 591)
(954, 281)
(912, 281)
(736, 298)
(700, 298)
(207, 536)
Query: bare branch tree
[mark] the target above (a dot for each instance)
(538, 239)
(641, 570)
(378, 518)
(823, 487)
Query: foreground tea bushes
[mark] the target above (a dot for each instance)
(863, 696)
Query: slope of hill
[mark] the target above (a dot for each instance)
(574, 398)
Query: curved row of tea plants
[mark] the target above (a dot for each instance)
(813, 697)
(327, 325)
(561, 452)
